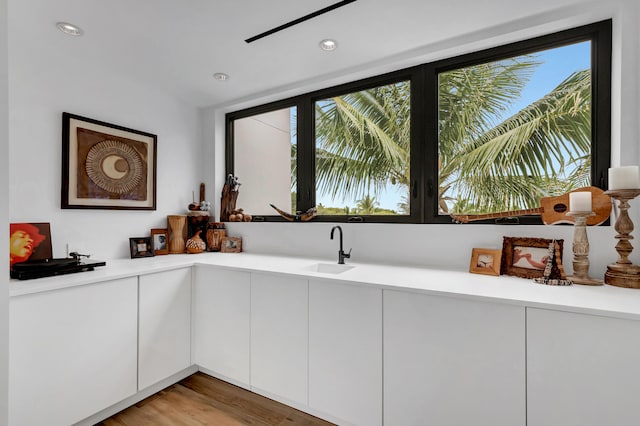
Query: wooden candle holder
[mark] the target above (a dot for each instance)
(623, 273)
(581, 250)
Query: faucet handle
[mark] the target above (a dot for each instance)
(347, 255)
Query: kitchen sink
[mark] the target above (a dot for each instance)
(329, 268)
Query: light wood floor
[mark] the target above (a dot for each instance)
(203, 400)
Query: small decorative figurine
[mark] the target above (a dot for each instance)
(238, 215)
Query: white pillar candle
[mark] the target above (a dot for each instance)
(580, 201)
(627, 177)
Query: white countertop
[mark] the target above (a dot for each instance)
(600, 300)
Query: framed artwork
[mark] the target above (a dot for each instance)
(29, 241)
(140, 247)
(160, 241)
(231, 245)
(485, 261)
(527, 257)
(105, 166)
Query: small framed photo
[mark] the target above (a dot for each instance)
(231, 245)
(160, 239)
(140, 247)
(485, 261)
(527, 257)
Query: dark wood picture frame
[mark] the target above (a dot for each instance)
(231, 245)
(140, 247)
(106, 166)
(160, 241)
(485, 261)
(525, 257)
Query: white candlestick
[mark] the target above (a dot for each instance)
(580, 201)
(627, 177)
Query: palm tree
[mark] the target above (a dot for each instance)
(363, 139)
(367, 205)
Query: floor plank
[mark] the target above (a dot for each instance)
(201, 400)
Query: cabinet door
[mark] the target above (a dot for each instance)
(222, 300)
(72, 352)
(165, 325)
(452, 362)
(345, 351)
(582, 370)
(279, 336)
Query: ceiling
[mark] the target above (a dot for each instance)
(177, 45)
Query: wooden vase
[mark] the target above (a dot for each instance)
(215, 234)
(195, 244)
(177, 226)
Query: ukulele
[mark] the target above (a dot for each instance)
(553, 210)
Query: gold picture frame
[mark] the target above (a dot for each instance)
(105, 166)
(485, 261)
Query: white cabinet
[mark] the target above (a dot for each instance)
(222, 300)
(279, 336)
(449, 361)
(164, 325)
(582, 370)
(345, 351)
(72, 352)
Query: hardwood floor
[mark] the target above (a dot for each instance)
(203, 400)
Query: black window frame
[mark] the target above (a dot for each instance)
(424, 131)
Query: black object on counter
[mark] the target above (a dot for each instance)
(51, 267)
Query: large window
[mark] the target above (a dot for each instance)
(486, 132)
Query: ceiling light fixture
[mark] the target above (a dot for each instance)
(69, 29)
(328, 45)
(220, 76)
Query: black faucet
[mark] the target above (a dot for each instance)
(341, 254)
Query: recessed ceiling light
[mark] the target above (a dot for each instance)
(70, 29)
(220, 76)
(328, 45)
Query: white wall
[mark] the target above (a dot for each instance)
(258, 139)
(46, 83)
(449, 246)
(4, 215)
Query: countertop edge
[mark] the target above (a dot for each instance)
(600, 300)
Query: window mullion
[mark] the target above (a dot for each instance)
(306, 197)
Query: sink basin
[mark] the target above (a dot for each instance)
(329, 268)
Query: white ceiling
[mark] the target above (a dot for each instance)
(177, 45)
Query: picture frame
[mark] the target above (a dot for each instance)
(140, 247)
(526, 257)
(231, 245)
(485, 261)
(160, 241)
(106, 166)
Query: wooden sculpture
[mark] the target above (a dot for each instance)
(229, 197)
(299, 216)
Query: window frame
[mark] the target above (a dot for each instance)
(424, 131)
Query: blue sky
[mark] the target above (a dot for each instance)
(556, 65)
